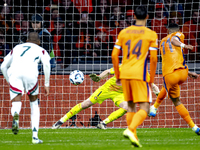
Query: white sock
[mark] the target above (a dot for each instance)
(35, 117)
(16, 107)
(61, 120)
(153, 107)
(194, 128)
(105, 120)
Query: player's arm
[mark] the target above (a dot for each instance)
(103, 75)
(193, 75)
(115, 60)
(115, 55)
(176, 42)
(153, 56)
(153, 64)
(5, 65)
(46, 67)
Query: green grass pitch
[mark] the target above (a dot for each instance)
(95, 139)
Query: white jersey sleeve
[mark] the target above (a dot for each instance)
(45, 59)
(6, 64)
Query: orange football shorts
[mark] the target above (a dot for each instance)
(136, 90)
(173, 80)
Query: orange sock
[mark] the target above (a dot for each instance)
(129, 117)
(138, 119)
(160, 98)
(183, 112)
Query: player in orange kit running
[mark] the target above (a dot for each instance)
(175, 72)
(135, 42)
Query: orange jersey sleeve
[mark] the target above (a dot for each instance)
(153, 65)
(172, 56)
(135, 43)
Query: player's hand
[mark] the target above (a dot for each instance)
(155, 89)
(94, 77)
(46, 90)
(193, 75)
(190, 47)
(118, 82)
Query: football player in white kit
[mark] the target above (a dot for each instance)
(20, 69)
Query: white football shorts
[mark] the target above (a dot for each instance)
(19, 83)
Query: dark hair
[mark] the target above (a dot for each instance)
(173, 25)
(36, 17)
(141, 12)
(84, 12)
(33, 36)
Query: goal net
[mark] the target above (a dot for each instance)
(80, 35)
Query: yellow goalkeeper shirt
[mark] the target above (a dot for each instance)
(111, 83)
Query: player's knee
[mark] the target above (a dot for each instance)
(85, 104)
(131, 106)
(144, 106)
(176, 101)
(33, 97)
(146, 109)
(124, 105)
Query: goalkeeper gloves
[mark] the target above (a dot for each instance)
(94, 77)
(155, 89)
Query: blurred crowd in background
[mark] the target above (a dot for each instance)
(84, 31)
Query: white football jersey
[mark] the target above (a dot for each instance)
(25, 58)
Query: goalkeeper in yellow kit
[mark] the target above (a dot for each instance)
(109, 90)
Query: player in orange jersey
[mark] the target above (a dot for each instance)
(135, 42)
(175, 72)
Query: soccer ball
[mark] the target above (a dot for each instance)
(76, 77)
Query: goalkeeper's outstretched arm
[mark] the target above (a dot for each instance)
(103, 75)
